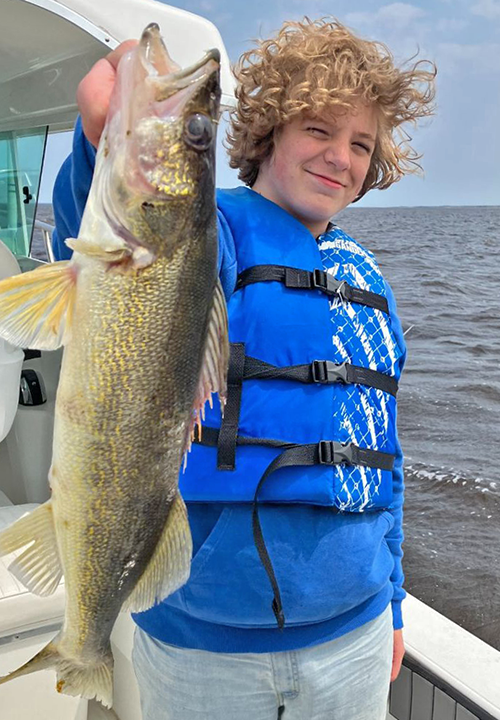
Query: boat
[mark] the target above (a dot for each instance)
(46, 47)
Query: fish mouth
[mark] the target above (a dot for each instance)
(172, 87)
(211, 55)
(166, 74)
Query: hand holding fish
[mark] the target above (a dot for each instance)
(95, 90)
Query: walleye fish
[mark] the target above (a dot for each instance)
(142, 316)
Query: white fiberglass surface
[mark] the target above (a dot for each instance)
(468, 664)
(47, 47)
(42, 59)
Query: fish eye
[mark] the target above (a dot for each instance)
(199, 131)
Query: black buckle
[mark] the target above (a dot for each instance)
(333, 453)
(325, 371)
(326, 282)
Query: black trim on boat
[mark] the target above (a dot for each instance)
(405, 692)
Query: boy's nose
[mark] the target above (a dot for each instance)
(339, 156)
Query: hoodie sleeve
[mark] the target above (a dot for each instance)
(71, 191)
(227, 255)
(395, 536)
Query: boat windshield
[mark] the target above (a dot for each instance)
(21, 160)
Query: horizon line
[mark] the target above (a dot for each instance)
(381, 207)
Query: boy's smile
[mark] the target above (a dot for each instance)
(319, 164)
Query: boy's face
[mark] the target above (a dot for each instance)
(319, 164)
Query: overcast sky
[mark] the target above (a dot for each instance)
(461, 143)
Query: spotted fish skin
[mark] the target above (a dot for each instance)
(141, 314)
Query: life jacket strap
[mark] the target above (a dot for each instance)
(308, 280)
(226, 444)
(321, 371)
(243, 367)
(326, 452)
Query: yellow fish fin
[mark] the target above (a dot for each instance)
(93, 680)
(97, 251)
(128, 256)
(213, 376)
(36, 307)
(38, 567)
(170, 564)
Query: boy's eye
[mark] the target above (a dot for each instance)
(318, 130)
(364, 147)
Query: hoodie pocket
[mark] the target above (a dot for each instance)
(209, 547)
(325, 563)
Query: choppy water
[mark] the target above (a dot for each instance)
(444, 267)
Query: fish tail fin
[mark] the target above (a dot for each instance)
(93, 680)
(89, 681)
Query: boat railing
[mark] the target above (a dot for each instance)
(47, 230)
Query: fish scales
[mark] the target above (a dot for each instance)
(142, 316)
(127, 451)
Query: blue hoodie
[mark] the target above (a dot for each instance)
(349, 563)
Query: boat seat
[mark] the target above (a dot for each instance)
(20, 610)
(11, 358)
(8, 263)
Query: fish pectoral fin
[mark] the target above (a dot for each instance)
(98, 251)
(120, 256)
(38, 567)
(170, 564)
(213, 376)
(36, 307)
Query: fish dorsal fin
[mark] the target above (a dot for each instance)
(170, 564)
(36, 307)
(213, 376)
(38, 567)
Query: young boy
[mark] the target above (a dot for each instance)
(318, 351)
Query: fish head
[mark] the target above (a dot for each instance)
(159, 145)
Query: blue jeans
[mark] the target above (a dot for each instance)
(344, 679)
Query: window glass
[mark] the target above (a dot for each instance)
(21, 158)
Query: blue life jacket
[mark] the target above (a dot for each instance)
(325, 567)
(296, 326)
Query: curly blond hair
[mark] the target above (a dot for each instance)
(312, 67)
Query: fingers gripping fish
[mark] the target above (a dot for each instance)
(141, 314)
